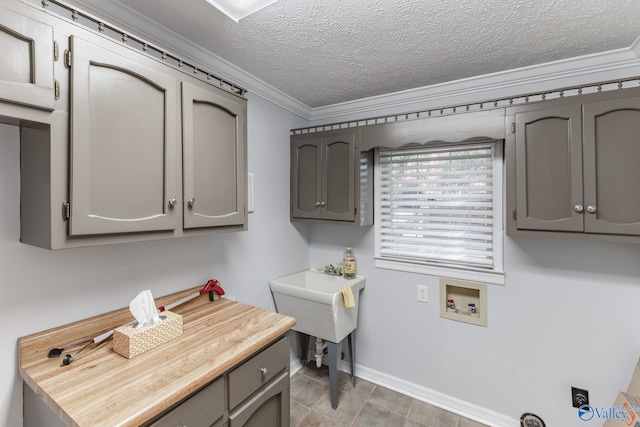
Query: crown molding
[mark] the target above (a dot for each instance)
(132, 21)
(635, 47)
(615, 64)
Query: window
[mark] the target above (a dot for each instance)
(439, 210)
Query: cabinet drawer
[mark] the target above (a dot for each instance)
(257, 371)
(201, 410)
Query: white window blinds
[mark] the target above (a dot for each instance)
(436, 205)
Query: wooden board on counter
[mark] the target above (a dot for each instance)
(106, 389)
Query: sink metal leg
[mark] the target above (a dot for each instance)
(335, 354)
(304, 347)
(352, 356)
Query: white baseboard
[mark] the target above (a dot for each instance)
(294, 366)
(435, 398)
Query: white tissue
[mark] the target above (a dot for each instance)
(144, 309)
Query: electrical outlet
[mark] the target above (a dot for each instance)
(579, 397)
(422, 293)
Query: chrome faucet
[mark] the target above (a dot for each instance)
(332, 270)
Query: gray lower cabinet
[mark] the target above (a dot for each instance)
(254, 394)
(259, 389)
(572, 168)
(26, 70)
(257, 372)
(330, 179)
(206, 408)
(268, 408)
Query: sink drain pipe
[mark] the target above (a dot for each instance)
(320, 348)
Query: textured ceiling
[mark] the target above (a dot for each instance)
(323, 52)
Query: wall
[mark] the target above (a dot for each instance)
(40, 289)
(565, 317)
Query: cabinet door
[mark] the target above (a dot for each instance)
(269, 408)
(123, 142)
(611, 171)
(306, 176)
(27, 78)
(338, 187)
(214, 160)
(203, 409)
(549, 169)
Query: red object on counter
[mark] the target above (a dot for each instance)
(211, 286)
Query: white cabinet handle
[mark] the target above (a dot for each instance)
(591, 209)
(578, 208)
(172, 202)
(191, 202)
(264, 371)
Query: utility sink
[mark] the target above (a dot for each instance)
(315, 300)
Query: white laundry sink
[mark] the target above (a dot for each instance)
(315, 300)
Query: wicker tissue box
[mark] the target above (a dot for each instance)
(131, 342)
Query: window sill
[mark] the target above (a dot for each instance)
(483, 276)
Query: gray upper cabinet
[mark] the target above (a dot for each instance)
(338, 190)
(123, 143)
(572, 168)
(323, 175)
(135, 150)
(306, 176)
(611, 173)
(27, 78)
(213, 164)
(549, 169)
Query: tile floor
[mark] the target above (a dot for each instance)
(366, 405)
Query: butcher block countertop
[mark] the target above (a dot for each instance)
(106, 389)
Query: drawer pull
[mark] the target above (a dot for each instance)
(264, 371)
